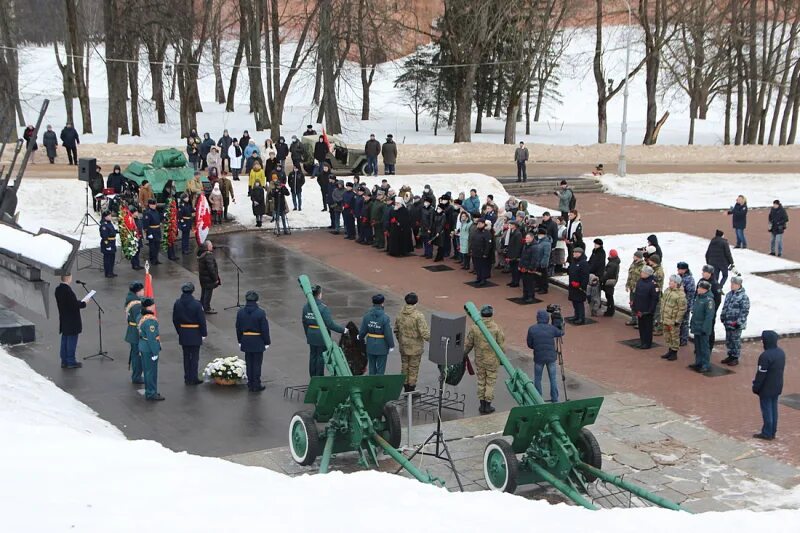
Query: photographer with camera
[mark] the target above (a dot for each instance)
(542, 340)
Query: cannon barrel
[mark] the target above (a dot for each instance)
(335, 361)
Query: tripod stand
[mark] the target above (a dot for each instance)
(86, 219)
(102, 354)
(238, 271)
(560, 354)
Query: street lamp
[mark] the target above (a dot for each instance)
(622, 167)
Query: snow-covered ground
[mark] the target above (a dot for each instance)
(768, 299)
(64, 469)
(46, 249)
(697, 192)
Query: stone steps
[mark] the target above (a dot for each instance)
(536, 186)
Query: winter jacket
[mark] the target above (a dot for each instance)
(320, 151)
(372, 148)
(205, 146)
(552, 230)
(778, 218)
(578, 279)
(50, 142)
(597, 262)
(463, 236)
(634, 275)
(716, 295)
(611, 272)
(735, 309)
(235, 161)
(514, 247)
(226, 188)
(96, 183)
(189, 320)
(542, 251)
(258, 196)
(244, 142)
(145, 194)
(250, 149)
(224, 143)
(480, 244)
(311, 328)
(653, 241)
(207, 269)
(252, 328)
(645, 298)
(376, 329)
(337, 196)
(282, 150)
(213, 160)
(411, 330)
(718, 253)
(426, 223)
(769, 376)
(527, 258)
(689, 290)
(389, 152)
(703, 312)
(297, 151)
(216, 200)
(69, 137)
(564, 198)
(296, 180)
(542, 337)
(575, 232)
(472, 205)
(69, 310)
(257, 176)
(673, 306)
(521, 154)
(739, 212)
(484, 354)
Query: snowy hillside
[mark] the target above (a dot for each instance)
(57, 456)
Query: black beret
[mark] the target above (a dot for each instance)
(147, 302)
(136, 286)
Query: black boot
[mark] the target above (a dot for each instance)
(667, 355)
(406, 387)
(488, 409)
(673, 356)
(482, 408)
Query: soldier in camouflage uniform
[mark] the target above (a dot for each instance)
(411, 330)
(634, 274)
(734, 314)
(485, 359)
(689, 289)
(376, 211)
(133, 309)
(673, 308)
(658, 275)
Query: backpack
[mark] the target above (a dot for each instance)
(573, 201)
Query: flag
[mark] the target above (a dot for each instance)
(148, 284)
(203, 219)
(326, 141)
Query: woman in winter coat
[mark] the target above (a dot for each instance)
(193, 149)
(609, 280)
(50, 142)
(559, 256)
(574, 233)
(235, 159)
(259, 198)
(30, 140)
(597, 260)
(463, 238)
(145, 194)
(256, 174)
(652, 240)
(269, 149)
(217, 204)
(739, 213)
(213, 175)
(205, 148)
(214, 159)
(279, 194)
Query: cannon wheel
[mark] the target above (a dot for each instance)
(500, 466)
(590, 452)
(304, 442)
(392, 428)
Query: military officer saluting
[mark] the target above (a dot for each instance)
(133, 310)
(185, 214)
(316, 346)
(108, 244)
(190, 324)
(150, 348)
(376, 330)
(252, 331)
(485, 360)
(152, 229)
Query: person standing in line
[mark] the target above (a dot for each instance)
(673, 308)
(152, 227)
(282, 151)
(716, 296)
(96, 186)
(108, 244)
(190, 324)
(150, 348)
(372, 149)
(778, 220)
(565, 199)
(739, 213)
(542, 340)
(542, 250)
(224, 143)
(389, 153)
(208, 274)
(689, 289)
(297, 152)
(376, 330)
(609, 280)
(719, 256)
(296, 180)
(578, 273)
(316, 344)
(527, 267)
(50, 142)
(185, 222)
(412, 331)
(69, 321)
(70, 141)
(481, 247)
(486, 361)
(521, 156)
(768, 383)
(228, 195)
(252, 333)
(645, 302)
(133, 310)
(702, 325)
(234, 157)
(735, 311)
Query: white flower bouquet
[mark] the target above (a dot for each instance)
(226, 370)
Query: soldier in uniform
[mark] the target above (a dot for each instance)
(358, 210)
(673, 307)
(185, 224)
(734, 315)
(485, 360)
(252, 332)
(152, 228)
(137, 234)
(412, 331)
(658, 274)
(108, 244)
(376, 212)
(348, 198)
(316, 363)
(701, 325)
(365, 237)
(133, 309)
(634, 274)
(376, 330)
(189, 320)
(150, 348)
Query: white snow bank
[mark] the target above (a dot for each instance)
(46, 249)
(772, 304)
(101, 482)
(697, 192)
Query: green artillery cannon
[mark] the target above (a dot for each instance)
(549, 441)
(354, 408)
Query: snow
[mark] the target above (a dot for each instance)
(697, 192)
(768, 299)
(46, 249)
(87, 481)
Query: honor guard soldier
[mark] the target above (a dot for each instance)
(152, 228)
(252, 332)
(137, 234)
(190, 324)
(108, 244)
(185, 222)
(150, 348)
(316, 346)
(133, 310)
(412, 331)
(376, 330)
(485, 360)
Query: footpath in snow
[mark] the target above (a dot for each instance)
(698, 192)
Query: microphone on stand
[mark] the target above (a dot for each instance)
(79, 282)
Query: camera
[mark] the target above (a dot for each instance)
(556, 318)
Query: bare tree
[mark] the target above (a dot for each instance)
(75, 63)
(9, 59)
(251, 12)
(327, 57)
(67, 84)
(189, 56)
(655, 17)
(216, 51)
(156, 40)
(113, 15)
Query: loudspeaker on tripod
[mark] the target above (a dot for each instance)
(447, 338)
(86, 168)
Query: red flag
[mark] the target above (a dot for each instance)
(326, 141)
(203, 222)
(148, 284)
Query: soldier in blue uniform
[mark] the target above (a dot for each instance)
(150, 348)
(133, 310)
(152, 228)
(108, 244)
(137, 220)
(316, 363)
(358, 210)
(252, 332)
(376, 330)
(348, 201)
(185, 222)
(190, 324)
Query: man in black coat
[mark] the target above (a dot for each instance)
(70, 141)
(597, 261)
(481, 247)
(108, 244)
(116, 181)
(645, 302)
(323, 180)
(778, 219)
(69, 321)
(708, 275)
(551, 228)
(719, 256)
(208, 273)
(400, 237)
(151, 223)
(372, 149)
(224, 143)
(252, 332)
(185, 222)
(282, 150)
(768, 383)
(578, 273)
(513, 252)
(190, 324)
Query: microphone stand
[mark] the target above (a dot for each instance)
(102, 354)
(238, 271)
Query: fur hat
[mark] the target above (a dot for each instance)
(598, 241)
(683, 265)
(719, 233)
(676, 278)
(704, 285)
(638, 254)
(577, 249)
(737, 280)
(648, 270)
(251, 296)
(655, 258)
(708, 268)
(147, 302)
(187, 287)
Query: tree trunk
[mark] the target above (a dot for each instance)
(464, 106)
(528, 110)
(599, 79)
(692, 118)
(328, 59)
(156, 51)
(75, 62)
(651, 85)
(133, 81)
(510, 134)
(229, 105)
(174, 76)
(66, 83)
(365, 85)
(317, 82)
(219, 89)
(115, 72)
(10, 61)
(794, 90)
(258, 105)
(539, 98)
